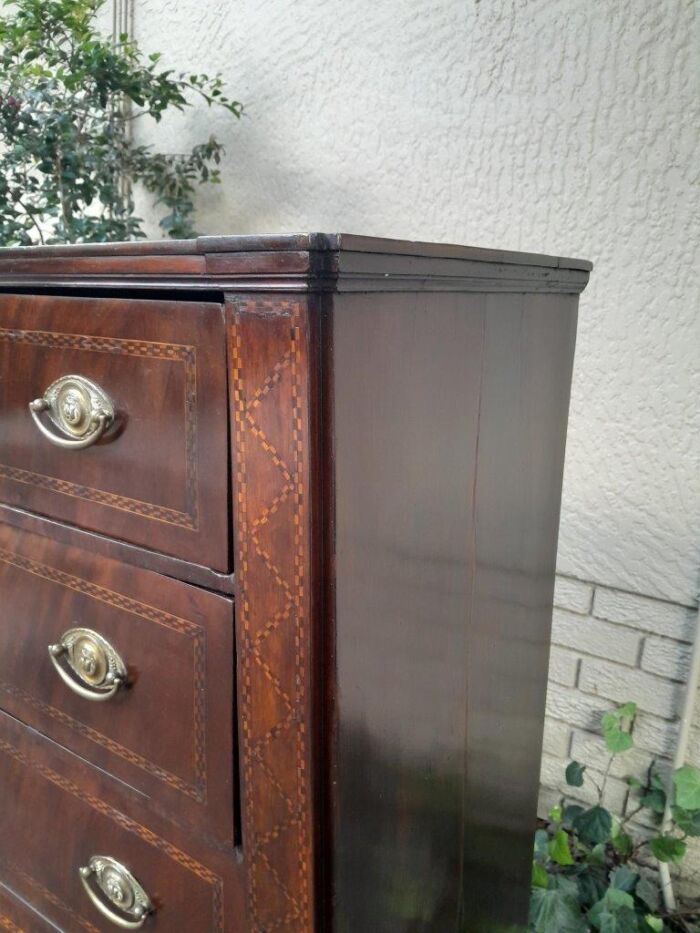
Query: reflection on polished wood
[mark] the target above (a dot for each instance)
(449, 425)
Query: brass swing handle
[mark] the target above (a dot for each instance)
(79, 408)
(88, 664)
(115, 892)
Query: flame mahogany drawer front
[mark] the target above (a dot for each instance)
(168, 730)
(278, 528)
(157, 475)
(52, 826)
(16, 917)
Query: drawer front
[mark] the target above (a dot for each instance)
(157, 475)
(58, 819)
(168, 731)
(16, 917)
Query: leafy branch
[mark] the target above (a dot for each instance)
(67, 99)
(587, 871)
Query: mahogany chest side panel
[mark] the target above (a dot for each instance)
(448, 429)
(528, 356)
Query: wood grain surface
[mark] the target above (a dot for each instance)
(169, 734)
(158, 478)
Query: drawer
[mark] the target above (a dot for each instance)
(16, 917)
(156, 475)
(59, 819)
(168, 730)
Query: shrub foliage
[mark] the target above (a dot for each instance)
(68, 100)
(591, 872)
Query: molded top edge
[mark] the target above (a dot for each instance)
(311, 242)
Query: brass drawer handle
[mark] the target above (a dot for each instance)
(79, 408)
(115, 892)
(88, 664)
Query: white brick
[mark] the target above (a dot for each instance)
(688, 885)
(666, 658)
(549, 798)
(655, 735)
(594, 637)
(563, 666)
(659, 737)
(575, 707)
(622, 684)
(645, 819)
(615, 795)
(694, 741)
(641, 833)
(573, 595)
(552, 772)
(552, 776)
(557, 738)
(651, 615)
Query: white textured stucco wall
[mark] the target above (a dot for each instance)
(563, 126)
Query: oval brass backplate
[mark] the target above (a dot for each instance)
(88, 664)
(74, 403)
(115, 892)
(78, 407)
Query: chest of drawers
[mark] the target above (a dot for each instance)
(278, 523)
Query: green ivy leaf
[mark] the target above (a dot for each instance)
(616, 728)
(655, 800)
(616, 740)
(541, 843)
(668, 848)
(615, 898)
(688, 821)
(657, 782)
(559, 850)
(555, 911)
(612, 909)
(648, 893)
(622, 843)
(655, 924)
(592, 885)
(574, 774)
(564, 883)
(593, 826)
(570, 813)
(624, 920)
(624, 879)
(615, 913)
(555, 815)
(597, 855)
(687, 781)
(540, 878)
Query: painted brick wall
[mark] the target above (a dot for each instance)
(610, 646)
